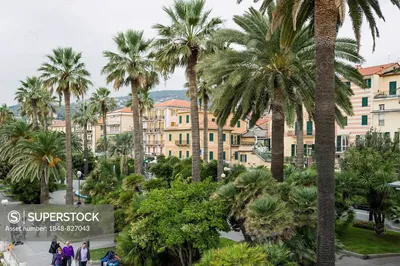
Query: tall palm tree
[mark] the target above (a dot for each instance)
(66, 74)
(220, 167)
(30, 92)
(103, 103)
(6, 114)
(182, 43)
(121, 145)
(46, 108)
(84, 116)
(130, 66)
(39, 158)
(326, 16)
(266, 75)
(10, 134)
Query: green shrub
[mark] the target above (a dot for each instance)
(155, 183)
(369, 225)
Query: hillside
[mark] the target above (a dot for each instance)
(157, 96)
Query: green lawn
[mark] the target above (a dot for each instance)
(225, 242)
(365, 241)
(97, 254)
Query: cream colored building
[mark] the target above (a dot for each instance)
(119, 121)
(156, 120)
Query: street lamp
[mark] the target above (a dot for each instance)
(5, 203)
(79, 174)
(223, 175)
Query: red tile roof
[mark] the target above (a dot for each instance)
(123, 110)
(262, 121)
(379, 69)
(174, 103)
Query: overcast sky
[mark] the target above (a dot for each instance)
(30, 29)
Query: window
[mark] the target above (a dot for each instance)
(180, 154)
(187, 154)
(170, 137)
(392, 88)
(236, 154)
(293, 151)
(223, 137)
(169, 153)
(223, 156)
(381, 120)
(180, 138)
(211, 155)
(187, 119)
(238, 123)
(381, 107)
(243, 158)
(187, 138)
(345, 121)
(211, 137)
(386, 134)
(364, 120)
(213, 119)
(364, 101)
(368, 82)
(348, 83)
(342, 142)
(309, 128)
(180, 119)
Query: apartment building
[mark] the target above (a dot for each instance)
(163, 114)
(118, 121)
(178, 138)
(376, 106)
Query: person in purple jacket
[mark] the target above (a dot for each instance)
(59, 259)
(68, 250)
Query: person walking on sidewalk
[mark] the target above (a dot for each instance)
(82, 255)
(68, 250)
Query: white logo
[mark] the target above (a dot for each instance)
(14, 217)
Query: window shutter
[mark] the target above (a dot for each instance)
(236, 155)
(180, 138)
(180, 119)
(293, 150)
(223, 156)
(238, 139)
(187, 154)
(364, 101)
(169, 153)
(211, 155)
(170, 137)
(392, 88)
(211, 136)
(231, 139)
(187, 119)
(238, 123)
(187, 138)
(180, 154)
(224, 137)
(309, 128)
(364, 120)
(305, 149)
(339, 143)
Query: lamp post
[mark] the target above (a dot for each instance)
(79, 174)
(5, 203)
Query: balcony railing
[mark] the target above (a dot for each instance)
(154, 142)
(384, 95)
(182, 143)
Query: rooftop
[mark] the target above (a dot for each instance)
(58, 123)
(379, 69)
(174, 103)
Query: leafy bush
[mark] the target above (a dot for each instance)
(369, 225)
(28, 191)
(154, 183)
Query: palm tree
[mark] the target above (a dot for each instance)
(46, 108)
(182, 43)
(103, 103)
(6, 115)
(84, 116)
(39, 158)
(10, 134)
(220, 167)
(66, 74)
(30, 92)
(132, 66)
(265, 75)
(121, 145)
(326, 16)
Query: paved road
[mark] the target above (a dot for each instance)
(352, 261)
(58, 197)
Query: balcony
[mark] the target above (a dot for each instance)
(182, 143)
(385, 95)
(235, 144)
(154, 142)
(113, 122)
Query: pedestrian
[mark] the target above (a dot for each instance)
(68, 250)
(59, 259)
(82, 255)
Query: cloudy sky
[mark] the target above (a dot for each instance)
(30, 29)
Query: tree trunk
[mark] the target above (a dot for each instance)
(105, 147)
(35, 115)
(205, 129)
(136, 129)
(69, 199)
(85, 151)
(220, 168)
(194, 114)
(247, 238)
(299, 137)
(278, 132)
(325, 38)
(141, 137)
(44, 188)
(45, 122)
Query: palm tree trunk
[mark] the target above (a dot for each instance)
(35, 115)
(194, 114)
(299, 137)
(104, 114)
(325, 38)
(136, 129)
(278, 132)
(141, 139)
(69, 199)
(44, 188)
(85, 151)
(205, 129)
(220, 168)
(45, 122)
